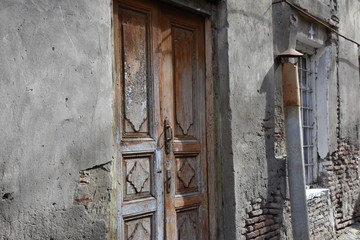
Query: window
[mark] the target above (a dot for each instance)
(307, 95)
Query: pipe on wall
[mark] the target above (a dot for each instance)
(295, 155)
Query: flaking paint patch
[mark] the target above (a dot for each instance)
(94, 190)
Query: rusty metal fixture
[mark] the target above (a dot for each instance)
(290, 53)
(291, 88)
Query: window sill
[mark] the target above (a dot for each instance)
(316, 192)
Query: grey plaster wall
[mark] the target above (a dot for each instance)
(323, 9)
(56, 114)
(249, 164)
(332, 95)
(348, 70)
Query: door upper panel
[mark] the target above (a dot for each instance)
(136, 71)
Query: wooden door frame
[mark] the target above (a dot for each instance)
(214, 209)
(210, 131)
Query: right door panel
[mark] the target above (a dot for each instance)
(183, 103)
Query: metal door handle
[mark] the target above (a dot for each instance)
(168, 181)
(168, 136)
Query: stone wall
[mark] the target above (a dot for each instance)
(263, 219)
(341, 176)
(321, 222)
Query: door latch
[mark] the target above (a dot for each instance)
(168, 136)
(168, 181)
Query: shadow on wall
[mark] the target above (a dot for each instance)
(356, 207)
(356, 212)
(266, 217)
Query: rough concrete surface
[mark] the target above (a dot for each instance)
(348, 70)
(56, 114)
(350, 233)
(251, 99)
(320, 8)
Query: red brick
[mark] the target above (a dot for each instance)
(274, 227)
(269, 222)
(250, 228)
(250, 221)
(274, 211)
(264, 230)
(252, 234)
(260, 238)
(270, 234)
(259, 225)
(256, 212)
(274, 238)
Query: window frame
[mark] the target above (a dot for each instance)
(311, 76)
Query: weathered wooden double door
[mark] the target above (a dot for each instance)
(161, 122)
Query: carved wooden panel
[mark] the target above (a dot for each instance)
(187, 223)
(137, 173)
(159, 53)
(187, 174)
(135, 52)
(139, 229)
(185, 71)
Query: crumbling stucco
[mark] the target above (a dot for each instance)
(94, 191)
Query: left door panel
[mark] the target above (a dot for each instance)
(137, 122)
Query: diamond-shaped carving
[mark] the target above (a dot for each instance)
(186, 173)
(187, 229)
(139, 233)
(137, 177)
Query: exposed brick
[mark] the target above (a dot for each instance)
(256, 206)
(275, 205)
(251, 220)
(271, 234)
(252, 234)
(250, 228)
(264, 230)
(260, 238)
(256, 213)
(269, 222)
(274, 211)
(274, 227)
(274, 238)
(259, 225)
(342, 178)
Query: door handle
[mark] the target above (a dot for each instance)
(168, 136)
(168, 181)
